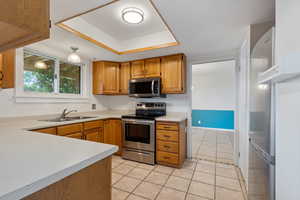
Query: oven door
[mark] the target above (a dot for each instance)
(139, 134)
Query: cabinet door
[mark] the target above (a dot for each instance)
(152, 67)
(117, 130)
(113, 133)
(111, 78)
(124, 77)
(98, 82)
(93, 135)
(75, 135)
(23, 22)
(137, 69)
(51, 131)
(173, 74)
(7, 69)
(108, 133)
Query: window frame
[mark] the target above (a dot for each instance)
(53, 97)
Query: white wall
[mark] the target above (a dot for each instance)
(9, 107)
(288, 109)
(213, 86)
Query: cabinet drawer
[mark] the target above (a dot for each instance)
(51, 131)
(95, 135)
(68, 129)
(171, 147)
(170, 158)
(93, 124)
(75, 135)
(167, 135)
(167, 126)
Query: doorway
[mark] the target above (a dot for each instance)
(213, 111)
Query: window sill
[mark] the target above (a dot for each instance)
(51, 98)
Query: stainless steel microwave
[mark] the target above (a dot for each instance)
(145, 87)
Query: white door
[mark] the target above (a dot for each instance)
(242, 115)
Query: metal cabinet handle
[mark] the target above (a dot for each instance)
(1, 76)
(167, 136)
(166, 157)
(166, 146)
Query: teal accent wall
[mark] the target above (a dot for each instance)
(220, 119)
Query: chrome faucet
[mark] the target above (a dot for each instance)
(66, 112)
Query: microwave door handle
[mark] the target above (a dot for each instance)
(152, 85)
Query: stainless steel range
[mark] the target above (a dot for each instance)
(139, 132)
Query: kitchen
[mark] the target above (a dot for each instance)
(96, 100)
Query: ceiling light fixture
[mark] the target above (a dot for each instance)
(133, 15)
(74, 57)
(40, 65)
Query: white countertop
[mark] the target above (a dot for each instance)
(30, 161)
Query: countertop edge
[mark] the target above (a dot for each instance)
(44, 182)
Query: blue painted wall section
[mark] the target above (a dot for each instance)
(222, 119)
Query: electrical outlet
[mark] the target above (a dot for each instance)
(94, 107)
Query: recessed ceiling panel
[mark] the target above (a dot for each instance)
(105, 27)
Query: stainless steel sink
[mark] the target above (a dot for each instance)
(67, 119)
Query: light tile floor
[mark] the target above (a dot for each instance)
(208, 176)
(213, 145)
(197, 180)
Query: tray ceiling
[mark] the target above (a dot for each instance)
(105, 27)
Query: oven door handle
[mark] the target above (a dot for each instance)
(138, 152)
(133, 121)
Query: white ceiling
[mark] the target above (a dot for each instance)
(106, 25)
(205, 29)
(110, 21)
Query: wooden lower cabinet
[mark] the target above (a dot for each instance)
(113, 133)
(171, 145)
(92, 183)
(51, 131)
(95, 135)
(69, 129)
(107, 131)
(75, 135)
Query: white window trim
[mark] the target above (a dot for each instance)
(55, 97)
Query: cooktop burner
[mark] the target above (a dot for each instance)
(134, 116)
(148, 111)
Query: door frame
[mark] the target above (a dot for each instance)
(235, 130)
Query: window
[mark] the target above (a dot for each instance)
(45, 74)
(39, 73)
(69, 78)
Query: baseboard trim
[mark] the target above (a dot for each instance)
(215, 129)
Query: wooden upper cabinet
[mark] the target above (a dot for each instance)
(173, 74)
(106, 77)
(125, 76)
(23, 22)
(112, 78)
(7, 69)
(152, 67)
(138, 69)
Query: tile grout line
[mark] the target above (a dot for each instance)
(164, 185)
(241, 185)
(187, 192)
(142, 181)
(215, 188)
